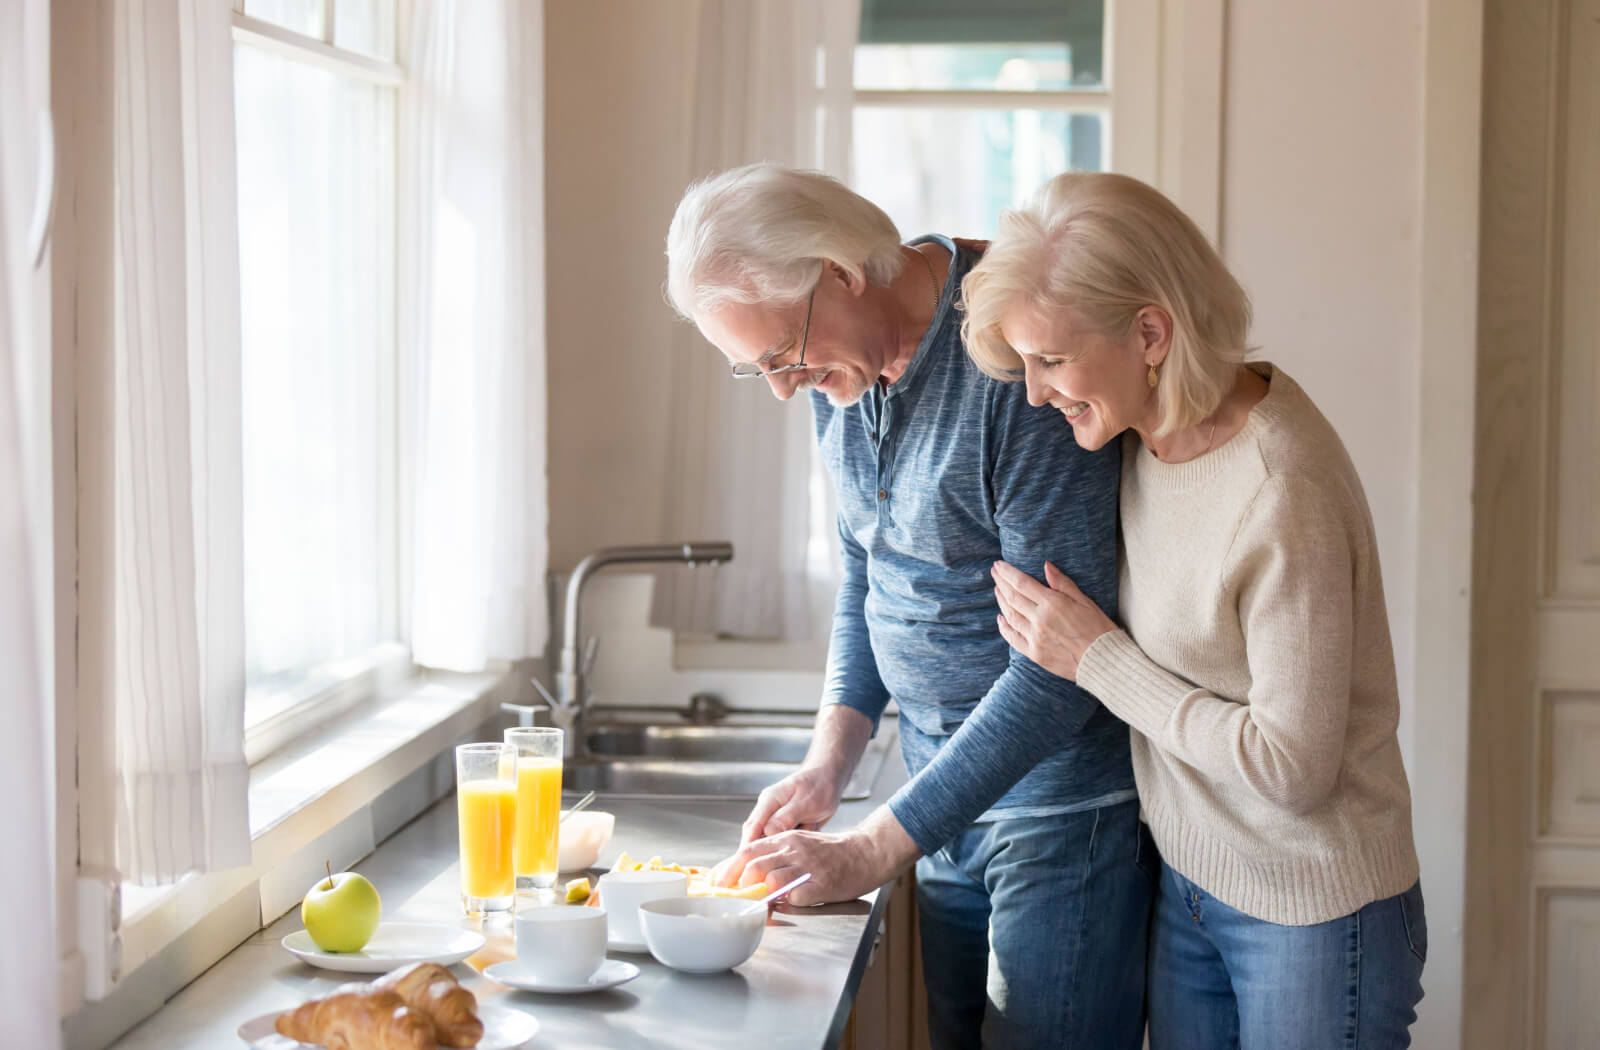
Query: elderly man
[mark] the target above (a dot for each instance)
(1035, 876)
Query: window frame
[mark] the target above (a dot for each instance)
(361, 679)
(1126, 99)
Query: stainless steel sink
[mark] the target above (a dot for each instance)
(721, 761)
(715, 743)
(683, 779)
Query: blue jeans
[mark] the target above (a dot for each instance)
(1221, 979)
(1034, 931)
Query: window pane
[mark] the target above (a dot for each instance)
(303, 16)
(366, 26)
(992, 67)
(315, 206)
(952, 170)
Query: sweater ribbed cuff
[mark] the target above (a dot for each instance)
(1131, 685)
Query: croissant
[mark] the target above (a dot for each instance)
(358, 1017)
(433, 991)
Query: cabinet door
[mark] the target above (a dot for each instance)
(891, 1010)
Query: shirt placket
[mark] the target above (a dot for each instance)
(883, 449)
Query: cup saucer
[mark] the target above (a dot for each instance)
(515, 974)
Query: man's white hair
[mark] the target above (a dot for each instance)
(763, 232)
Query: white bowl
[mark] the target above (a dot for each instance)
(701, 934)
(583, 835)
(623, 892)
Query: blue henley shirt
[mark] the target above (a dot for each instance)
(938, 476)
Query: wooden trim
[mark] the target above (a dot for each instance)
(1521, 76)
(1134, 74)
(1193, 94)
(1440, 686)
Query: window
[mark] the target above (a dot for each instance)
(316, 91)
(962, 110)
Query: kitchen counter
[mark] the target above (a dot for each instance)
(796, 991)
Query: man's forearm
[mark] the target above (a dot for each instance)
(838, 741)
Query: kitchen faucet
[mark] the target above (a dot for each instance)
(569, 706)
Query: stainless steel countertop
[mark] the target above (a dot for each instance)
(796, 991)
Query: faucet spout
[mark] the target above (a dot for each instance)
(572, 698)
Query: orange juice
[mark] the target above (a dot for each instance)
(538, 816)
(488, 815)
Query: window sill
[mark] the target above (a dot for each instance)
(306, 794)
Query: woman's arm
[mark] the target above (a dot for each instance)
(1285, 739)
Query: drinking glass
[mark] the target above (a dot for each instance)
(538, 804)
(486, 801)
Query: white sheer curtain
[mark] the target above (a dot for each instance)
(162, 769)
(28, 978)
(316, 212)
(471, 325)
(772, 83)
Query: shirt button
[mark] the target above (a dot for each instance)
(883, 494)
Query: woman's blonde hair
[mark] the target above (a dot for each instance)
(762, 233)
(1107, 246)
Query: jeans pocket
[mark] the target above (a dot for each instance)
(1416, 922)
(1148, 857)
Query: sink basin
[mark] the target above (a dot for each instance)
(682, 779)
(715, 743)
(720, 761)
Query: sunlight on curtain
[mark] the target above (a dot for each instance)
(162, 775)
(315, 202)
(29, 971)
(471, 327)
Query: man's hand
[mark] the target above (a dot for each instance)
(805, 799)
(842, 866)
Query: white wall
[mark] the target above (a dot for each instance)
(617, 149)
(1321, 216)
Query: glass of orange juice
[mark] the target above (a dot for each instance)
(538, 804)
(486, 805)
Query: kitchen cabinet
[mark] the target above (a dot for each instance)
(891, 1009)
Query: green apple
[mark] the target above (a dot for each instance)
(341, 911)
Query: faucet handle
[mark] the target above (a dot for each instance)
(590, 647)
(549, 700)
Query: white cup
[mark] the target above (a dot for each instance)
(623, 891)
(560, 944)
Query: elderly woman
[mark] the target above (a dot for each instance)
(1256, 666)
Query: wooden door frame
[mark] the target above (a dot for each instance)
(1442, 567)
(1518, 321)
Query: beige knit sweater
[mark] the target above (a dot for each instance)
(1257, 672)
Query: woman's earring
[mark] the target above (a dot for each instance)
(1151, 377)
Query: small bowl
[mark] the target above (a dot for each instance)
(583, 835)
(701, 934)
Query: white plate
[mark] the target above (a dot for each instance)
(395, 944)
(503, 1029)
(612, 972)
(616, 944)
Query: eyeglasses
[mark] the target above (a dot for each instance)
(751, 370)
